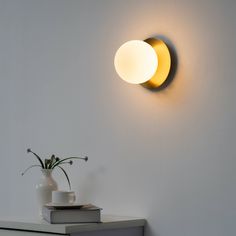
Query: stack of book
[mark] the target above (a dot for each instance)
(71, 214)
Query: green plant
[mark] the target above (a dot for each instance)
(52, 163)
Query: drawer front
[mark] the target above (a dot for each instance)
(4, 232)
(133, 231)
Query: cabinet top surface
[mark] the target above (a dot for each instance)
(108, 222)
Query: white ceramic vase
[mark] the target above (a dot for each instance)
(44, 188)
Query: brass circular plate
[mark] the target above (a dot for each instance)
(164, 63)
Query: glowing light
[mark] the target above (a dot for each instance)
(136, 61)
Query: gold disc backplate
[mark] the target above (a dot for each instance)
(164, 63)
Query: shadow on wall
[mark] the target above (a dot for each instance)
(90, 186)
(148, 230)
(174, 63)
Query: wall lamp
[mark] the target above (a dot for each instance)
(145, 62)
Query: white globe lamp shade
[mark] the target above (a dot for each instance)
(136, 61)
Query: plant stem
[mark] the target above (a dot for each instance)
(38, 157)
(67, 177)
(29, 168)
(68, 158)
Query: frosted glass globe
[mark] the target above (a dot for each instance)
(136, 61)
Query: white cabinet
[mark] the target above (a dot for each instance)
(110, 226)
(4, 232)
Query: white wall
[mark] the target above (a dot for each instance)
(167, 156)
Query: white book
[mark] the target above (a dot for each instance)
(72, 215)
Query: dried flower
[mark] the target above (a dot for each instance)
(53, 162)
